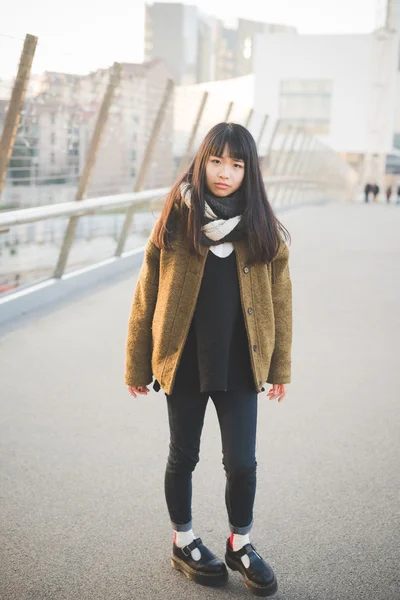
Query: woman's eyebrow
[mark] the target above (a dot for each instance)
(230, 157)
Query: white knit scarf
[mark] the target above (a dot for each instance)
(217, 229)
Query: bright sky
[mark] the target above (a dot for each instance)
(82, 35)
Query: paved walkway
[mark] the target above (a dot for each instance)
(82, 463)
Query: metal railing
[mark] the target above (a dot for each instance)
(116, 140)
(286, 191)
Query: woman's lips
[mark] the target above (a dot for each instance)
(223, 186)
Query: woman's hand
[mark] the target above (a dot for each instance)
(141, 389)
(278, 390)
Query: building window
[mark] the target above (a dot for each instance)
(53, 118)
(53, 139)
(133, 155)
(247, 48)
(306, 103)
(133, 172)
(52, 158)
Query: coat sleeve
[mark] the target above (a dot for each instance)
(281, 286)
(138, 369)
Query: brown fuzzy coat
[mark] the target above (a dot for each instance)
(165, 299)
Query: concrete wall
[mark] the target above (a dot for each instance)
(350, 61)
(397, 109)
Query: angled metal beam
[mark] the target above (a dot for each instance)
(288, 159)
(16, 103)
(186, 157)
(261, 133)
(95, 142)
(249, 117)
(145, 165)
(229, 111)
(265, 163)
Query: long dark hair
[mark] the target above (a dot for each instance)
(264, 231)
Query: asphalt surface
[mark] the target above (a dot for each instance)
(82, 505)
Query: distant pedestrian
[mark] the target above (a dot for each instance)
(398, 195)
(388, 193)
(367, 191)
(375, 191)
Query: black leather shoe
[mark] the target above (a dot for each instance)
(259, 578)
(209, 570)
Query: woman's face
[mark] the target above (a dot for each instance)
(224, 175)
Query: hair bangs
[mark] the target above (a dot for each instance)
(227, 136)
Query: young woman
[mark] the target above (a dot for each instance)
(212, 317)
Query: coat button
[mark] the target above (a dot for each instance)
(246, 269)
(263, 389)
(249, 310)
(255, 347)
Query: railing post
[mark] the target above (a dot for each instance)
(144, 167)
(306, 156)
(276, 168)
(186, 157)
(249, 117)
(282, 149)
(261, 134)
(268, 155)
(229, 111)
(295, 168)
(91, 156)
(296, 132)
(16, 103)
(304, 166)
(322, 167)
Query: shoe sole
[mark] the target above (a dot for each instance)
(216, 580)
(254, 588)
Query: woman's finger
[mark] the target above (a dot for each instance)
(277, 392)
(283, 394)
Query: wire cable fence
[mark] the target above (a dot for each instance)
(117, 131)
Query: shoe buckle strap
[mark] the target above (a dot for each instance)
(246, 549)
(188, 549)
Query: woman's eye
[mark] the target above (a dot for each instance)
(215, 160)
(238, 165)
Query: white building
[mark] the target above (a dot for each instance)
(341, 87)
(247, 31)
(393, 21)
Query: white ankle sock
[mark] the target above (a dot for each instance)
(184, 538)
(237, 542)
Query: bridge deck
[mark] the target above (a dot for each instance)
(81, 484)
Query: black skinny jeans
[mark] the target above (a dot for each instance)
(237, 415)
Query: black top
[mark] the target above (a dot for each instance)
(216, 353)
